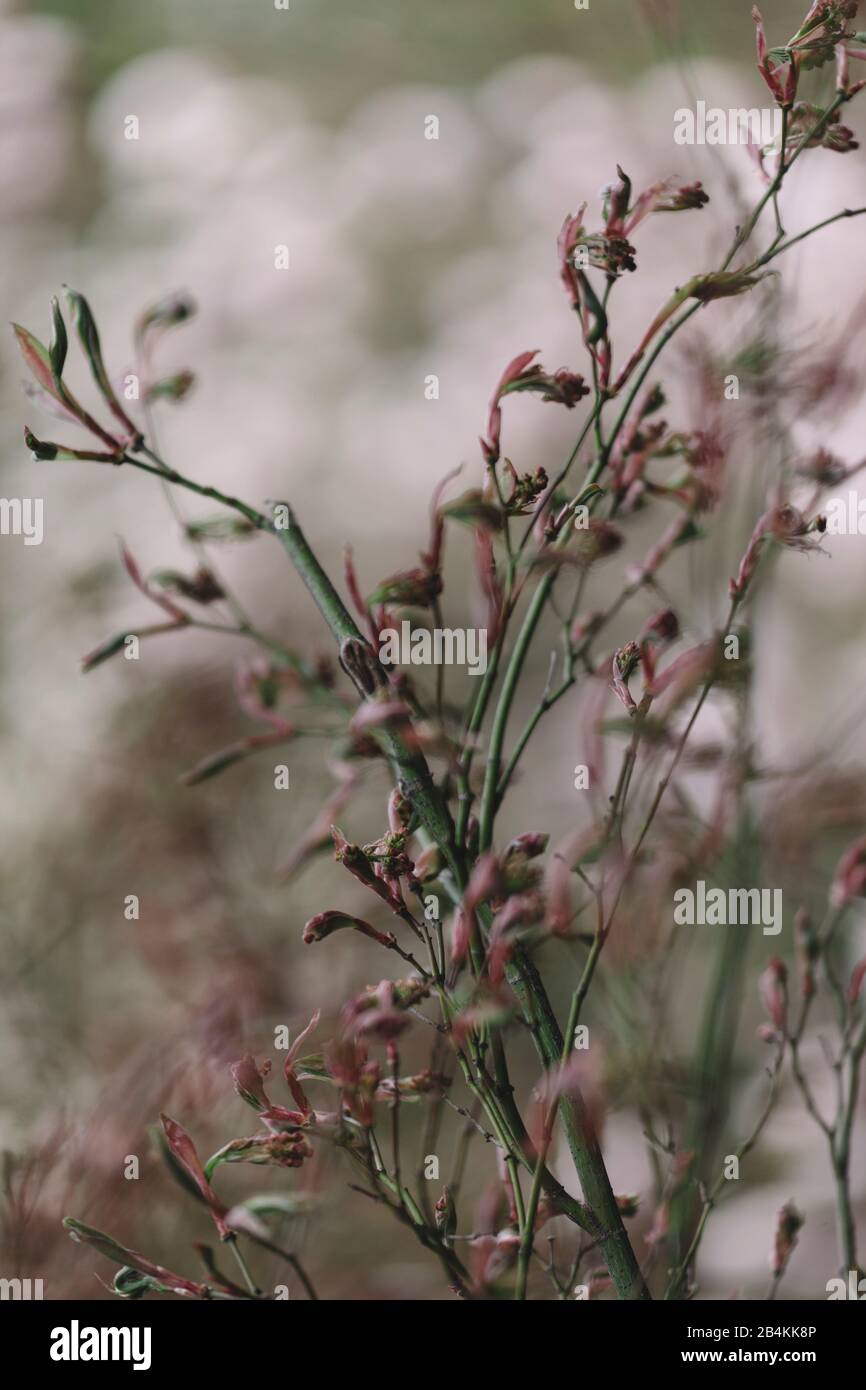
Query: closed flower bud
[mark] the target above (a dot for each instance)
(359, 865)
(789, 1223)
(167, 313)
(59, 342)
(784, 524)
(530, 845)
(594, 542)
(474, 510)
(46, 450)
(690, 196)
(612, 254)
(202, 587)
(823, 467)
(656, 634)
(772, 987)
(849, 880)
(629, 1204)
(249, 1082)
(808, 129)
(324, 924)
(664, 627)
(399, 811)
(445, 1215)
(428, 864)
(855, 984)
(525, 489)
(567, 388)
(780, 77)
(808, 950)
(722, 284)
(622, 667)
(171, 388)
(417, 588)
(85, 326)
(615, 202)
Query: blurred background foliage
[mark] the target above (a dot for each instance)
(260, 127)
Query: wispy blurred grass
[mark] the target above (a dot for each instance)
(89, 1004)
(340, 50)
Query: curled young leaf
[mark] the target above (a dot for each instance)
(216, 763)
(59, 343)
(167, 313)
(171, 388)
(43, 449)
(324, 924)
(221, 528)
(120, 1254)
(474, 510)
(184, 1152)
(37, 360)
(85, 326)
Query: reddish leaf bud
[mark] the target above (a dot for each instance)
(772, 987)
(789, 1223)
(324, 924)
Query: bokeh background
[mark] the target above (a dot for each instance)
(408, 257)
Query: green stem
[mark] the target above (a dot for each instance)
(171, 475)
(528, 1224)
(357, 657)
(605, 1224)
(232, 1241)
(810, 231)
(503, 709)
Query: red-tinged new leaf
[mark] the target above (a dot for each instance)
(473, 509)
(431, 558)
(294, 1085)
(772, 987)
(352, 584)
(36, 357)
(461, 931)
(48, 403)
(215, 763)
(858, 975)
(184, 1151)
(121, 1255)
(131, 566)
(42, 449)
(249, 1082)
(39, 361)
(324, 924)
(103, 652)
(318, 835)
(85, 326)
(257, 692)
(167, 313)
(378, 714)
(301, 1038)
(849, 880)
